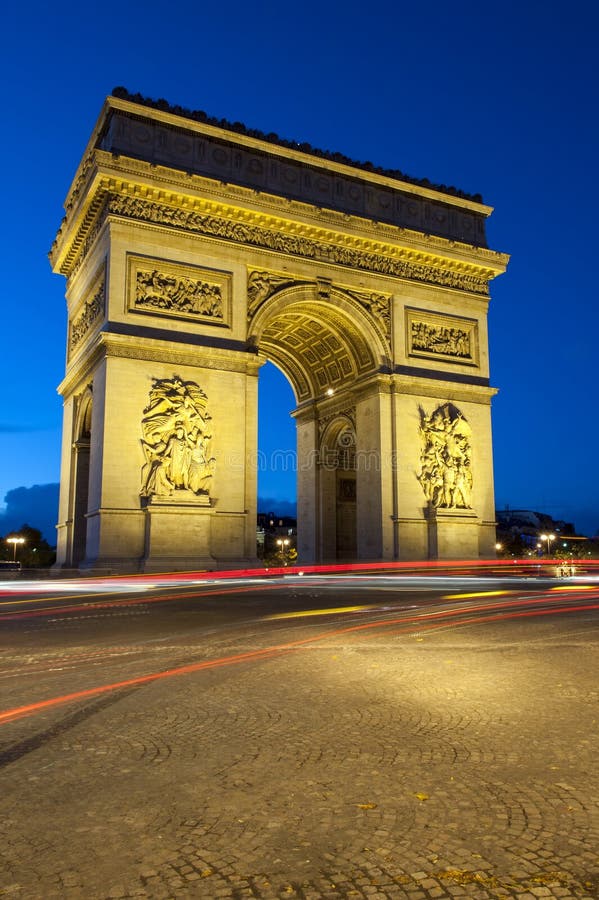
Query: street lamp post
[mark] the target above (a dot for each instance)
(15, 541)
(282, 544)
(548, 538)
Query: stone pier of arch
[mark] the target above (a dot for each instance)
(193, 253)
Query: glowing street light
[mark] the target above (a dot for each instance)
(282, 544)
(15, 541)
(548, 538)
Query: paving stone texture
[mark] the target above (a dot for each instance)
(459, 764)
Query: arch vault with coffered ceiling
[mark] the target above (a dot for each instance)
(195, 251)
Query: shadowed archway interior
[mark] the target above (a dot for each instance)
(319, 345)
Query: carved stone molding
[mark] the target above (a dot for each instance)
(323, 288)
(292, 244)
(436, 336)
(169, 289)
(446, 458)
(83, 172)
(93, 309)
(121, 347)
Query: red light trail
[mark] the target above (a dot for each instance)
(426, 621)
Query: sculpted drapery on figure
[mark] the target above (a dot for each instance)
(446, 473)
(176, 440)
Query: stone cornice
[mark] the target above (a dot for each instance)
(80, 370)
(113, 194)
(138, 178)
(367, 386)
(167, 181)
(383, 383)
(442, 390)
(107, 344)
(192, 355)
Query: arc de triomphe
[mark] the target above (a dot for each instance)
(194, 251)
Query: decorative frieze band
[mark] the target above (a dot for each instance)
(313, 179)
(293, 244)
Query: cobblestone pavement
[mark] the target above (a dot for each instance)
(456, 763)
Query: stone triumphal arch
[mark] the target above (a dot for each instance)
(194, 251)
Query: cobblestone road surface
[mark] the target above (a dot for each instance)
(457, 763)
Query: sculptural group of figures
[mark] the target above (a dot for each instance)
(446, 474)
(163, 291)
(176, 440)
(450, 341)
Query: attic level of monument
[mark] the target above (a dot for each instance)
(127, 185)
(239, 128)
(193, 254)
(170, 143)
(215, 153)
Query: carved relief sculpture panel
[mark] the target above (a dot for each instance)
(261, 285)
(445, 460)
(434, 336)
(163, 288)
(378, 305)
(88, 314)
(176, 429)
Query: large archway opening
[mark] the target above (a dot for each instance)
(276, 467)
(339, 489)
(277, 451)
(328, 352)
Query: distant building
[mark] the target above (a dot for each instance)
(520, 530)
(272, 528)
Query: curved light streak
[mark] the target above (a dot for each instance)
(435, 619)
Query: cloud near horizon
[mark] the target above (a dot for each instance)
(36, 506)
(279, 507)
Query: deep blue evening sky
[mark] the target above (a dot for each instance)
(500, 99)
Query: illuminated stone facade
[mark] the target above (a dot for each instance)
(194, 252)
